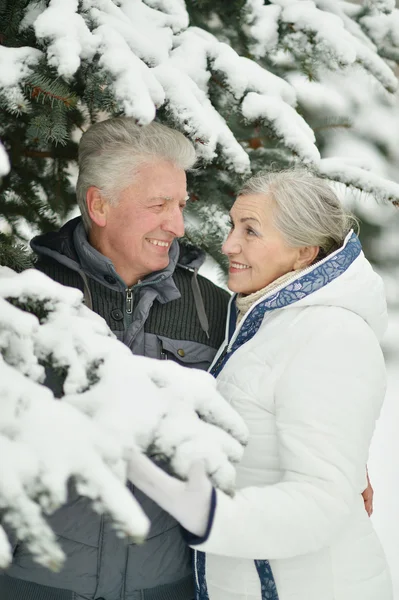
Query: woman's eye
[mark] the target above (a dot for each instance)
(250, 231)
(231, 224)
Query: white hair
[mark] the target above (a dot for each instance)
(307, 212)
(110, 151)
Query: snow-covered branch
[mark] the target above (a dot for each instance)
(4, 161)
(179, 71)
(339, 170)
(111, 403)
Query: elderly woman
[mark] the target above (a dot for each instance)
(303, 366)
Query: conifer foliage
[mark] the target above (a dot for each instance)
(253, 83)
(109, 404)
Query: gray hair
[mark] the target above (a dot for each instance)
(307, 210)
(110, 151)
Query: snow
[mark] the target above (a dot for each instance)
(381, 5)
(176, 71)
(328, 28)
(244, 75)
(134, 86)
(263, 26)
(380, 188)
(286, 122)
(351, 25)
(4, 161)
(339, 39)
(384, 462)
(376, 65)
(319, 97)
(383, 28)
(16, 64)
(172, 13)
(101, 419)
(70, 38)
(350, 127)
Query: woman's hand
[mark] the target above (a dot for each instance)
(189, 502)
(368, 497)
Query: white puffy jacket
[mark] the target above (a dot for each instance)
(310, 385)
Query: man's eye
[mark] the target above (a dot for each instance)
(231, 224)
(250, 231)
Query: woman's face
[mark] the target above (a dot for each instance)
(256, 250)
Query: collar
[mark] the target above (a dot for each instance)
(99, 267)
(306, 282)
(244, 303)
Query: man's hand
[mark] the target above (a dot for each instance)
(368, 497)
(189, 502)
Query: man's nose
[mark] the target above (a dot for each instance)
(174, 223)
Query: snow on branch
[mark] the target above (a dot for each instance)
(16, 65)
(325, 35)
(175, 72)
(339, 170)
(384, 6)
(383, 29)
(174, 9)
(199, 55)
(140, 56)
(285, 122)
(48, 335)
(4, 161)
(263, 22)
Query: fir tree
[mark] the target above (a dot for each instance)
(232, 76)
(86, 439)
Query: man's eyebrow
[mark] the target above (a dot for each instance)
(168, 198)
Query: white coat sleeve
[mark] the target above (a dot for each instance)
(327, 401)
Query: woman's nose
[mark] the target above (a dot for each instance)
(231, 245)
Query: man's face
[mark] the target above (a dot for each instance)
(140, 230)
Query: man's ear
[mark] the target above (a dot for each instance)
(306, 256)
(97, 206)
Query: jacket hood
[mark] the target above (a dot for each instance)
(62, 246)
(357, 288)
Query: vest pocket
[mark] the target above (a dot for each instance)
(186, 353)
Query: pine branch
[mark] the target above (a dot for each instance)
(14, 256)
(42, 88)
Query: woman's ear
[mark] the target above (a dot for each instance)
(306, 256)
(97, 206)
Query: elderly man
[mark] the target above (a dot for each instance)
(124, 256)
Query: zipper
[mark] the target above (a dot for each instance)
(129, 301)
(196, 570)
(226, 335)
(129, 294)
(163, 355)
(220, 357)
